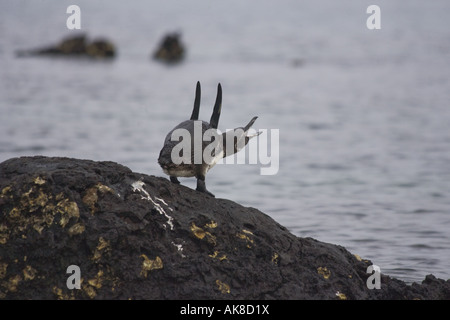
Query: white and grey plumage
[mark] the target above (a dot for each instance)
(191, 168)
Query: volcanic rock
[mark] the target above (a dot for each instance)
(135, 236)
(77, 46)
(170, 50)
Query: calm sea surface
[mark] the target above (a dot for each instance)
(363, 115)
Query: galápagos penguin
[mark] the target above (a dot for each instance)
(199, 155)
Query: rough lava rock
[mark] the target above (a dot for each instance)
(171, 50)
(75, 46)
(142, 237)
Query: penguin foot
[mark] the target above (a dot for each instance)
(174, 180)
(202, 188)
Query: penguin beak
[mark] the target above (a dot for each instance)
(247, 127)
(250, 124)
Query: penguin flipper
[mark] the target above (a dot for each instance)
(196, 109)
(214, 122)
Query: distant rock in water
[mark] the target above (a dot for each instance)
(100, 48)
(75, 46)
(135, 236)
(170, 50)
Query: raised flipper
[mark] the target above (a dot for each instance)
(214, 122)
(196, 109)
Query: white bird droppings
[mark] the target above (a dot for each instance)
(139, 186)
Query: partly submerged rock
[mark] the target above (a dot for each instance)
(171, 49)
(101, 48)
(75, 46)
(142, 237)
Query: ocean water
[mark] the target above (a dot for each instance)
(363, 115)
